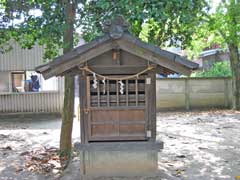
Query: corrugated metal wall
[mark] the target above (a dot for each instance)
(35, 102)
(21, 59)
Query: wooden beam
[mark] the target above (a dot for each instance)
(117, 92)
(116, 56)
(113, 70)
(98, 94)
(160, 52)
(117, 69)
(126, 86)
(148, 55)
(163, 70)
(136, 91)
(108, 97)
(151, 104)
(67, 65)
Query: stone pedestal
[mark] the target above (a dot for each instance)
(119, 159)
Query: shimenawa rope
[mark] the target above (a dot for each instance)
(86, 68)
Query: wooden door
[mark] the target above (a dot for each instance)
(115, 114)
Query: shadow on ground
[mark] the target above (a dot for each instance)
(201, 145)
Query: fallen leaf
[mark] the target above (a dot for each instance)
(19, 170)
(24, 153)
(202, 148)
(179, 172)
(181, 156)
(7, 148)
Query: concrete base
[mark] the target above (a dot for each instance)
(120, 146)
(119, 158)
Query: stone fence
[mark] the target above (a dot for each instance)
(188, 93)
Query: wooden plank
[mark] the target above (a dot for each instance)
(118, 108)
(103, 130)
(88, 91)
(67, 65)
(131, 115)
(146, 54)
(83, 101)
(108, 99)
(103, 115)
(73, 54)
(122, 98)
(87, 110)
(159, 52)
(154, 113)
(98, 93)
(126, 89)
(164, 70)
(152, 105)
(131, 129)
(131, 59)
(147, 95)
(117, 92)
(116, 56)
(118, 69)
(115, 123)
(126, 122)
(117, 118)
(136, 91)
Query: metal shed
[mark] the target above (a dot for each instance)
(16, 66)
(117, 83)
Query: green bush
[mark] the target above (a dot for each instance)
(219, 69)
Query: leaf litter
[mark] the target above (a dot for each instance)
(43, 160)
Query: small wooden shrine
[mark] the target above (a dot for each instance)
(117, 83)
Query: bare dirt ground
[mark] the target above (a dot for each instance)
(199, 145)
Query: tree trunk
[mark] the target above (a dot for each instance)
(235, 66)
(68, 107)
(67, 116)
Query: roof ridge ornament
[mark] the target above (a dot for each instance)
(115, 27)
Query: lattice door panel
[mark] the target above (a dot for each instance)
(112, 93)
(117, 110)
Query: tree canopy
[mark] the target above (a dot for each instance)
(222, 27)
(163, 23)
(31, 22)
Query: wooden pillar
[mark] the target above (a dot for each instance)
(83, 104)
(152, 105)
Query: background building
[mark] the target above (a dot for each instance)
(17, 91)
